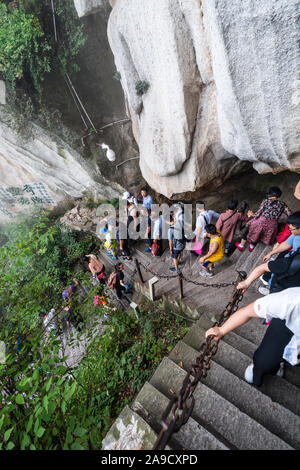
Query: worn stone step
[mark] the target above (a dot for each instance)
(270, 414)
(150, 404)
(253, 331)
(248, 261)
(232, 338)
(215, 413)
(129, 432)
(196, 336)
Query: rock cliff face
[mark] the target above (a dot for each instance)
(42, 171)
(223, 87)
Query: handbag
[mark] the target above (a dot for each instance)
(197, 248)
(154, 248)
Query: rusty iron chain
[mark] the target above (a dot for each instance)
(203, 284)
(181, 406)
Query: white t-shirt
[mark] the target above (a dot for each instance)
(205, 218)
(158, 228)
(284, 305)
(49, 321)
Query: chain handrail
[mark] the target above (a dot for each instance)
(203, 284)
(181, 406)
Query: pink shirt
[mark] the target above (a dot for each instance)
(228, 227)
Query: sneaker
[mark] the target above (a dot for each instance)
(251, 247)
(249, 374)
(263, 291)
(280, 371)
(263, 281)
(148, 250)
(172, 269)
(108, 253)
(112, 258)
(205, 274)
(239, 247)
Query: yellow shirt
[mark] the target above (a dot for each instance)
(219, 254)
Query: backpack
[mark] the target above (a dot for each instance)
(285, 266)
(284, 270)
(111, 282)
(67, 293)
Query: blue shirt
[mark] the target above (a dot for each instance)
(147, 201)
(294, 241)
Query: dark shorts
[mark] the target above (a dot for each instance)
(206, 264)
(176, 253)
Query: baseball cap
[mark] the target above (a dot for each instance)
(126, 195)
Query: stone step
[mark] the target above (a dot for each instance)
(248, 261)
(276, 418)
(233, 338)
(129, 432)
(217, 414)
(253, 331)
(150, 403)
(196, 335)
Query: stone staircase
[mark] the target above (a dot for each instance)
(229, 413)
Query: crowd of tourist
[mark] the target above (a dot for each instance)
(279, 272)
(211, 239)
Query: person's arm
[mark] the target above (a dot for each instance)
(237, 319)
(156, 231)
(259, 211)
(199, 231)
(219, 224)
(213, 250)
(279, 249)
(255, 274)
(297, 191)
(287, 210)
(135, 219)
(215, 215)
(121, 279)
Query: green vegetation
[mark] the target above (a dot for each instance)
(44, 403)
(141, 87)
(23, 48)
(37, 261)
(91, 202)
(29, 51)
(117, 76)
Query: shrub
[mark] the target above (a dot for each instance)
(24, 51)
(141, 87)
(117, 76)
(29, 51)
